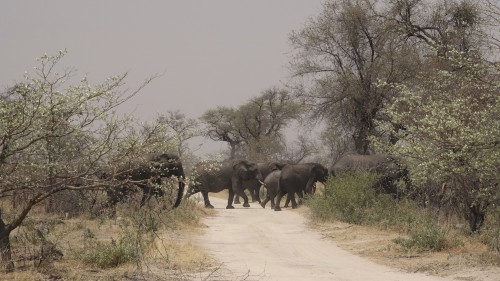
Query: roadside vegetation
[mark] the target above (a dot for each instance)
(417, 80)
(422, 225)
(147, 242)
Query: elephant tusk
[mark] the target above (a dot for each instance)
(261, 182)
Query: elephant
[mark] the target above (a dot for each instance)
(271, 183)
(387, 167)
(253, 185)
(144, 174)
(227, 175)
(300, 179)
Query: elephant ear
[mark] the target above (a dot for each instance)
(321, 172)
(275, 166)
(240, 168)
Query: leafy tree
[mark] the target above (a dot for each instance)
(452, 135)
(55, 138)
(221, 125)
(451, 25)
(262, 120)
(340, 56)
(256, 126)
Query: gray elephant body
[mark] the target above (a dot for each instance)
(271, 183)
(253, 185)
(299, 179)
(228, 175)
(145, 172)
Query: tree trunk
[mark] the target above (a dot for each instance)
(5, 251)
(361, 142)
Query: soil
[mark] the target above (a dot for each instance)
(261, 244)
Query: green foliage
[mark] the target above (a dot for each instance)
(451, 122)
(491, 233)
(346, 198)
(451, 128)
(111, 254)
(58, 136)
(352, 199)
(426, 235)
(256, 126)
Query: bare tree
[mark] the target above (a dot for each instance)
(182, 128)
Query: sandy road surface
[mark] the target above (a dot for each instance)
(261, 244)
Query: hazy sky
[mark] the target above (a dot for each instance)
(212, 52)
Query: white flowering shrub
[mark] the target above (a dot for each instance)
(57, 133)
(451, 124)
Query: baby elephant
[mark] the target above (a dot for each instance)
(271, 183)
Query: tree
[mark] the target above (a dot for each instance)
(182, 129)
(452, 135)
(451, 25)
(340, 57)
(221, 125)
(55, 137)
(262, 120)
(256, 126)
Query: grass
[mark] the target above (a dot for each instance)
(111, 254)
(108, 248)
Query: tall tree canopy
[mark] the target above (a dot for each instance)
(255, 128)
(354, 45)
(340, 56)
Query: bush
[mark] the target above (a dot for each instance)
(491, 233)
(352, 199)
(113, 253)
(425, 236)
(348, 198)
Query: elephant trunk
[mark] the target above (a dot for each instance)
(180, 193)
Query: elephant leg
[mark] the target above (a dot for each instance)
(272, 197)
(252, 194)
(230, 199)
(301, 197)
(255, 195)
(237, 199)
(291, 197)
(287, 202)
(207, 201)
(242, 195)
(278, 201)
(263, 203)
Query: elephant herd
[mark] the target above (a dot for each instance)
(236, 176)
(278, 178)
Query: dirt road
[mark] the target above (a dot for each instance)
(261, 244)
